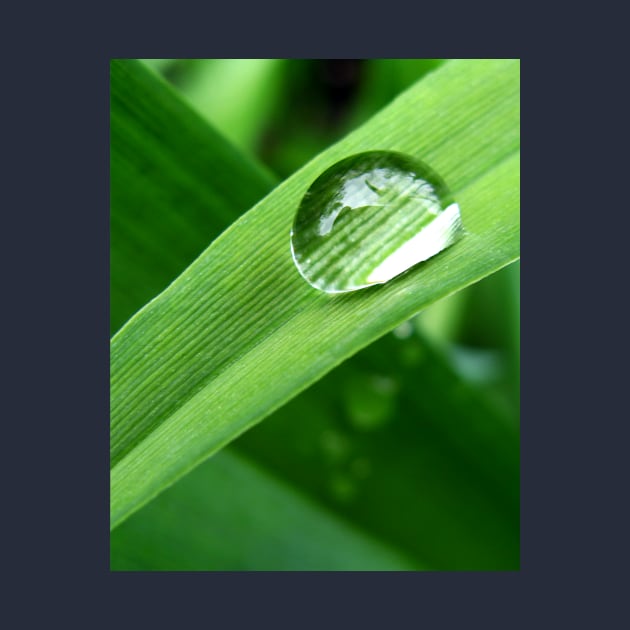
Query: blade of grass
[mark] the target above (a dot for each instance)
(492, 325)
(216, 351)
(394, 441)
(159, 66)
(384, 80)
(237, 96)
(435, 476)
(162, 537)
(166, 202)
(250, 521)
(512, 337)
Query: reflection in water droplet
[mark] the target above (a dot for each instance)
(369, 218)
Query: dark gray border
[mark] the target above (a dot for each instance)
(58, 200)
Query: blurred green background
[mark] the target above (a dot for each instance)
(404, 457)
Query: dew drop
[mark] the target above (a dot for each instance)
(342, 488)
(335, 445)
(369, 401)
(404, 331)
(361, 468)
(369, 218)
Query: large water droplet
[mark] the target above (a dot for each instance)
(370, 217)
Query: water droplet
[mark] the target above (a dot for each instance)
(476, 365)
(335, 445)
(370, 401)
(342, 487)
(361, 468)
(404, 331)
(412, 353)
(369, 218)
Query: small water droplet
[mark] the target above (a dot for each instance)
(335, 445)
(369, 218)
(404, 331)
(361, 468)
(370, 401)
(476, 365)
(342, 487)
(411, 353)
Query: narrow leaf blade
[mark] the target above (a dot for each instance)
(175, 184)
(239, 332)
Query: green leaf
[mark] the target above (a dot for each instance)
(167, 201)
(395, 442)
(384, 79)
(237, 96)
(390, 441)
(239, 332)
(332, 458)
(249, 521)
